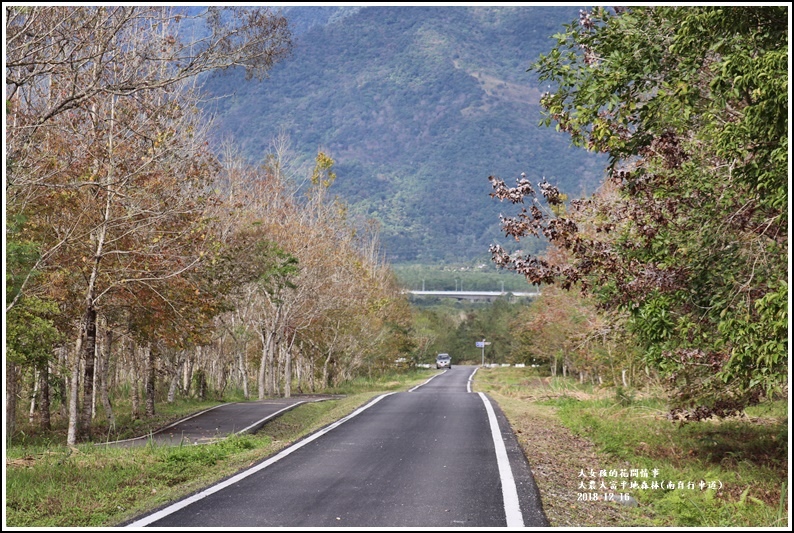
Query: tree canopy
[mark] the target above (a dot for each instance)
(161, 258)
(687, 238)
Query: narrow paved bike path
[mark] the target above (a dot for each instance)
(221, 421)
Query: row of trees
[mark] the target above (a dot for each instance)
(456, 327)
(559, 332)
(685, 246)
(566, 333)
(139, 255)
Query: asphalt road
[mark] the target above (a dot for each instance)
(436, 456)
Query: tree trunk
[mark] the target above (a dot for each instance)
(201, 383)
(270, 366)
(173, 386)
(266, 374)
(63, 383)
(71, 436)
(151, 378)
(221, 371)
(176, 371)
(88, 356)
(288, 372)
(33, 395)
(299, 373)
(308, 372)
(187, 378)
(135, 398)
(11, 399)
(103, 362)
(243, 373)
(44, 387)
(260, 382)
(279, 366)
(326, 374)
(95, 379)
(288, 365)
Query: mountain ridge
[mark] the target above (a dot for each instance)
(417, 106)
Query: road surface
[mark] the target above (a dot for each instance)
(436, 456)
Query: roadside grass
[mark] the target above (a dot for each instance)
(716, 473)
(389, 382)
(49, 484)
(93, 486)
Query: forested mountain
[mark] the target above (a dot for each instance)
(417, 106)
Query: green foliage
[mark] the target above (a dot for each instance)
(102, 484)
(204, 455)
(745, 458)
(322, 176)
(250, 257)
(623, 396)
(759, 344)
(133, 480)
(690, 231)
(653, 326)
(280, 272)
(31, 333)
(21, 255)
(749, 460)
(455, 327)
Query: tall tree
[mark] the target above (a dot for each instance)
(315, 290)
(103, 126)
(691, 105)
(61, 60)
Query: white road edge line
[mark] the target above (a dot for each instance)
(244, 474)
(161, 430)
(287, 408)
(509, 492)
(426, 382)
(471, 379)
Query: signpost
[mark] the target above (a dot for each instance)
(482, 344)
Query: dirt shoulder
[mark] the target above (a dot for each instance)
(557, 457)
